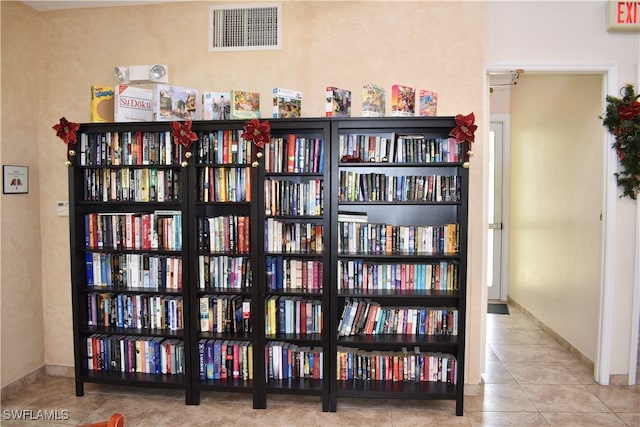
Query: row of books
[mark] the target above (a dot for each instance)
(224, 234)
(383, 239)
(372, 187)
(134, 311)
(292, 237)
(394, 148)
(293, 315)
(225, 314)
(364, 317)
(229, 314)
(137, 185)
(396, 366)
(290, 361)
(293, 274)
(286, 197)
(130, 354)
(133, 271)
(294, 154)
(359, 275)
(224, 272)
(128, 149)
(157, 230)
(224, 184)
(222, 147)
(225, 360)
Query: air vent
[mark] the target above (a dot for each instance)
(244, 27)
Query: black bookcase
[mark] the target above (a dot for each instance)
(399, 217)
(266, 267)
(223, 253)
(294, 257)
(128, 235)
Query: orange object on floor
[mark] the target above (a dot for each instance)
(116, 420)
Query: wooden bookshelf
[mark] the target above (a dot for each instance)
(128, 257)
(399, 257)
(261, 262)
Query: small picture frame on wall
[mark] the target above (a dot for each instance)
(15, 179)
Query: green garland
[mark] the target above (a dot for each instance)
(622, 119)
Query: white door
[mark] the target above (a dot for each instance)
(495, 281)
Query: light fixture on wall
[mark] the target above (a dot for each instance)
(155, 73)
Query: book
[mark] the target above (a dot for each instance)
(101, 107)
(175, 103)
(287, 103)
(132, 104)
(338, 102)
(428, 101)
(373, 101)
(216, 105)
(352, 216)
(245, 104)
(403, 100)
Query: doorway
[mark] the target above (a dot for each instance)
(497, 254)
(544, 301)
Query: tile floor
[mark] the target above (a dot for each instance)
(530, 380)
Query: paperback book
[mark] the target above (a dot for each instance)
(245, 104)
(287, 103)
(338, 102)
(403, 100)
(102, 107)
(132, 104)
(175, 103)
(216, 105)
(373, 101)
(428, 103)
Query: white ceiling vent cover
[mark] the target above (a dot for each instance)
(250, 26)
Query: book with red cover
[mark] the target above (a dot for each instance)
(291, 153)
(403, 100)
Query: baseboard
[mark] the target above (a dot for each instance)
(46, 370)
(60, 371)
(619, 379)
(15, 387)
(553, 334)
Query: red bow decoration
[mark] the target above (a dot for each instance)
(182, 133)
(465, 129)
(628, 113)
(256, 132)
(66, 130)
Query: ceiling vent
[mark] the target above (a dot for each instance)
(245, 27)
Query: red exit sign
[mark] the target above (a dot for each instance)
(624, 16)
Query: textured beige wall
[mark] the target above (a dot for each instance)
(555, 243)
(346, 44)
(21, 286)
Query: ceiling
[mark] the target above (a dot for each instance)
(44, 5)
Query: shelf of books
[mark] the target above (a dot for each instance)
(127, 252)
(399, 234)
(223, 259)
(295, 223)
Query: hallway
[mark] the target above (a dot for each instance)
(530, 380)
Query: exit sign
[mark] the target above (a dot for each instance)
(624, 16)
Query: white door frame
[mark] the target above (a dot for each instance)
(610, 195)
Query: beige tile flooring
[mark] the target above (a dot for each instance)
(530, 380)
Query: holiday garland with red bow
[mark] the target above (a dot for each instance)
(622, 119)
